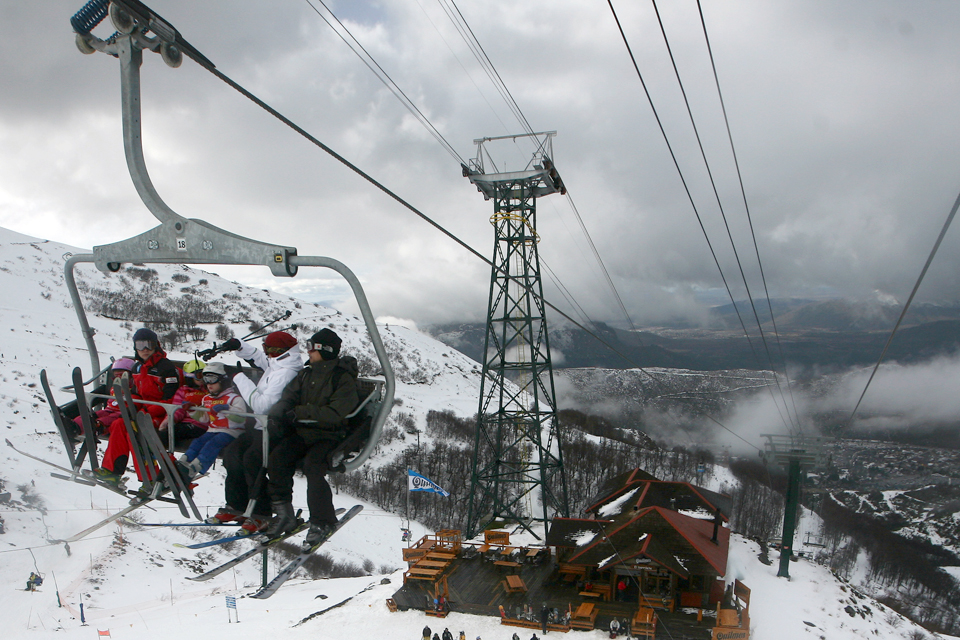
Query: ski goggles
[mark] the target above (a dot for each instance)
(316, 346)
(274, 351)
(211, 378)
(140, 345)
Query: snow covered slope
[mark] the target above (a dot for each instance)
(131, 579)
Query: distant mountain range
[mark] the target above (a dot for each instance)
(832, 333)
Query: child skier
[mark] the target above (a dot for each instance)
(189, 396)
(105, 417)
(215, 411)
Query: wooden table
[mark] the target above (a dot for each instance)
(590, 594)
(604, 590)
(585, 617)
(441, 555)
(433, 564)
(584, 610)
(426, 573)
(515, 584)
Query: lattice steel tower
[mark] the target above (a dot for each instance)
(518, 471)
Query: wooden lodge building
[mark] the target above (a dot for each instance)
(649, 553)
(664, 540)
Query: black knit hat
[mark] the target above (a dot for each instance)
(329, 339)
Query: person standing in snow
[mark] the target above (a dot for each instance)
(307, 423)
(217, 411)
(280, 360)
(544, 617)
(426, 633)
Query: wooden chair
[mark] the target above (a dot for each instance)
(644, 624)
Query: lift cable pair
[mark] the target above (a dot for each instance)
(690, 198)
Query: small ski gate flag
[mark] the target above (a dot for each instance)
(103, 634)
(416, 482)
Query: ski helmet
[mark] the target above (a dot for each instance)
(191, 367)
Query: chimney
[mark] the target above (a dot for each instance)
(716, 526)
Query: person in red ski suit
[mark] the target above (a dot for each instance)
(157, 380)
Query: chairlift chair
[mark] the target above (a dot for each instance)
(179, 240)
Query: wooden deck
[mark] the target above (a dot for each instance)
(479, 586)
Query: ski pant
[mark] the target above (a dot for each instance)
(283, 464)
(118, 451)
(207, 447)
(243, 459)
(183, 431)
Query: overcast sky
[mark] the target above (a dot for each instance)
(844, 116)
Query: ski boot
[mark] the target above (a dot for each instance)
(188, 469)
(318, 533)
(254, 524)
(224, 515)
(284, 522)
(109, 477)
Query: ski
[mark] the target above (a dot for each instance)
(291, 567)
(218, 541)
(263, 546)
(102, 523)
(89, 433)
(226, 539)
(82, 477)
(180, 524)
(58, 418)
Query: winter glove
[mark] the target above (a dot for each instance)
(217, 408)
(231, 345)
(291, 416)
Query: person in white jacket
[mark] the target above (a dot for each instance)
(281, 360)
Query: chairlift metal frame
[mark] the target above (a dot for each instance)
(179, 240)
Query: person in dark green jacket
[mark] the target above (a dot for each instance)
(307, 423)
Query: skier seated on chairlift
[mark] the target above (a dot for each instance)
(189, 397)
(307, 424)
(157, 380)
(33, 581)
(217, 411)
(281, 360)
(104, 417)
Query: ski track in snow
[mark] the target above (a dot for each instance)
(135, 588)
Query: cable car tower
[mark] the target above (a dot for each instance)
(797, 454)
(518, 465)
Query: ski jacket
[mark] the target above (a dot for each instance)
(187, 397)
(277, 374)
(219, 423)
(318, 400)
(157, 379)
